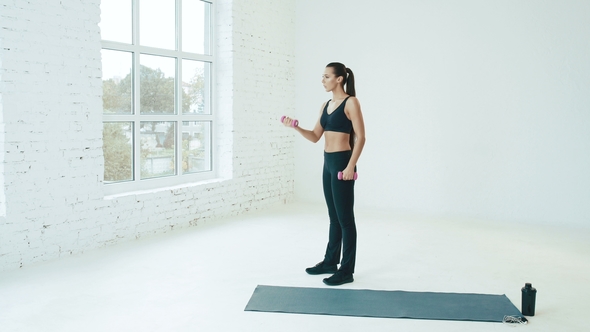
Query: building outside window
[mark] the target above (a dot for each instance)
(157, 63)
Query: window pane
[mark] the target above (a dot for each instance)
(115, 20)
(196, 146)
(157, 23)
(196, 87)
(118, 151)
(157, 149)
(156, 84)
(117, 82)
(196, 22)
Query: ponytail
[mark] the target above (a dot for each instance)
(350, 83)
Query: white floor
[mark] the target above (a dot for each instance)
(201, 279)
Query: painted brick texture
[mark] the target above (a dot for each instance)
(51, 130)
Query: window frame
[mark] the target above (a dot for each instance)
(138, 184)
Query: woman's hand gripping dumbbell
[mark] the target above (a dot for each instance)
(356, 175)
(294, 122)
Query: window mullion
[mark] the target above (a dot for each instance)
(136, 117)
(135, 10)
(209, 49)
(179, 110)
(136, 101)
(155, 51)
(179, 25)
(178, 145)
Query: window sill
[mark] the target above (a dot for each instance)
(168, 188)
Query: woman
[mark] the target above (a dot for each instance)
(341, 122)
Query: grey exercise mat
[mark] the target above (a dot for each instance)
(384, 304)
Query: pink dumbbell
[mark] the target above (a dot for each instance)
(356, 175)
(294, 124)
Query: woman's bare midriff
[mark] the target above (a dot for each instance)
(335, 141)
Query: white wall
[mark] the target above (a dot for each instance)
(473, 109)
(51, 130)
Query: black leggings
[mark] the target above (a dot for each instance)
(339, 196)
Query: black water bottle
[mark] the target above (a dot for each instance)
(529, 295)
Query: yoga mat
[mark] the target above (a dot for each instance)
(384, 304)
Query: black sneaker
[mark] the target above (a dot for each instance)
(320, 268)
(339, 278)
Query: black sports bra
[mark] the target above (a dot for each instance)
(337, 120)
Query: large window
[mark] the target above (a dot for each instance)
(157, 62)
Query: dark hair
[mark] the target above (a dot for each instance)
(346, 73)
(348, 81)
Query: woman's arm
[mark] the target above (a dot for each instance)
(353, 110)
(311, 135)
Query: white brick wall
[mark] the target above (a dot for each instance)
(51, 122)
(2, 195)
